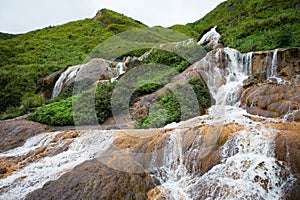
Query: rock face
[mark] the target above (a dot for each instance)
(282, 63)
(287, 150)
(14, 133)
(274, 87)
(94, 180)
(273, 100)
(86, 75)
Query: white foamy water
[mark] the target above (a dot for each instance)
(225, 81)
(66, 76)
(31, 144)
(249, 169)
(85, 147)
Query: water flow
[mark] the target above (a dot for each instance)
(224, 81)
(65, 77)
(272, 73)
(36, 174)
(248, 169)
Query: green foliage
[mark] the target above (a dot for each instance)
(171, 59)
(164, 111)
(284, 38)
(26, 58)
(174, 107)
(57, 113)
(185, 30)
(252, 25)
(18, 81)
(103, 101)
(6, 36)
(28, 103)
(62, 113)
(202, 94)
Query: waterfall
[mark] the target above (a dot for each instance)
(224, 81)
(272, 73)
(211, 37)
(65, 77)
(247, 166)
(274, 64)
(249, 169)
(120, 69)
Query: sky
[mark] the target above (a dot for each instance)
(20, 16)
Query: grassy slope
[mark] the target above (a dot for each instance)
(24, 59)
(251, 25)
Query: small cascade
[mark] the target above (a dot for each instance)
(64, 78)
(120, 69)
(212, 37)
(274, 64)
(173, 175)
(224, 81)
(272, 73)
(248, 169)
(36, 174)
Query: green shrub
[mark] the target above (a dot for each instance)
(168, 108)
(26, 58)
(159, 56)
(164, 111)
(62, 113)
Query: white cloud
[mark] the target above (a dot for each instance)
(19, 16)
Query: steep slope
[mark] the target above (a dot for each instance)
(252, 25)
(26, 58)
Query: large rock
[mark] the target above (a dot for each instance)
(14, 133)
(273, 100)
(94, 180)
(96, 70)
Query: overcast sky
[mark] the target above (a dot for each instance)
(20, 16)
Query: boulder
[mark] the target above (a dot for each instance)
(273, 100)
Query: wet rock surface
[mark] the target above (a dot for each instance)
(286, 63)
(273, 100)
(94, 180)
(14, 133)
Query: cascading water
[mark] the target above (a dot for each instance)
(36, 174)
(66, 76)
(223, 82)
(249, 169)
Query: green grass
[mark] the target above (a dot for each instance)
(253, 25)
(63, 113)
(26, 58)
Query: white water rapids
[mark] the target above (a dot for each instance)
(248, 168)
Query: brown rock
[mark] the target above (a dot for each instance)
(287, 148)
(272, 100)
(14, 133)
(94, 180)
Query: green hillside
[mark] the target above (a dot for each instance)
(252, 25)
(247, 25)
(26, 58)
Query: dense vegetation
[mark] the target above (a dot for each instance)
(252, 25)
(25, 59)
(174, 106)
(61, 113)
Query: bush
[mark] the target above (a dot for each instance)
(62, 113)
(168, 109)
